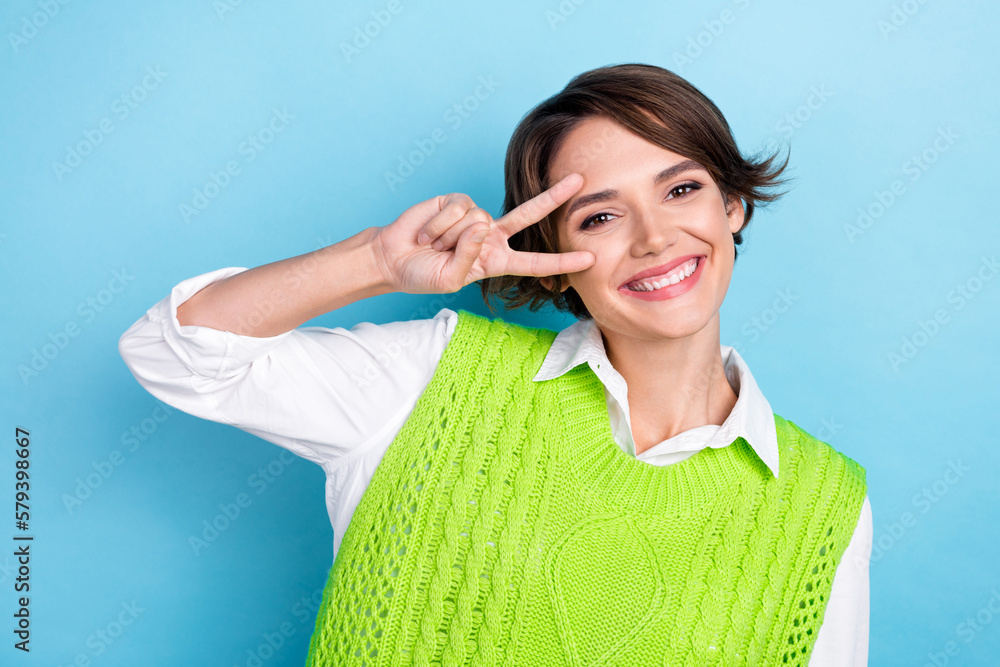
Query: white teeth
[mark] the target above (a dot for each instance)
(648, 286)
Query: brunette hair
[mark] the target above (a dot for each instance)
(654, 103)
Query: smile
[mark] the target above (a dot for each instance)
(671, 278)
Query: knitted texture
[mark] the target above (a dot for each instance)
(504, 526)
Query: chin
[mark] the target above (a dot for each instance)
(673, 325)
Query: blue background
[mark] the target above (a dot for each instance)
(884, 81)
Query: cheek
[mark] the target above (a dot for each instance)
(563, 242)
(597, 278)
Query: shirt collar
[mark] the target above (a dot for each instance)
(750, 418)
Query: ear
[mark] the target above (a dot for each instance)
(547, 283)
(736, 213)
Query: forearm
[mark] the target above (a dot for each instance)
(274, 298)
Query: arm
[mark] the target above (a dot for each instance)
(437, 246)
(272, 299)
(843, 636)
(224, 346)
(321, 393)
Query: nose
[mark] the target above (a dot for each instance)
(652, 232)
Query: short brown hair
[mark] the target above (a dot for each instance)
(654, 103)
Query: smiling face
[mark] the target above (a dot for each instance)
(643, 207)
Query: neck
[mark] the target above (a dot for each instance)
(674, 384)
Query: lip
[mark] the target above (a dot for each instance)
(659, 270)
(670, 291)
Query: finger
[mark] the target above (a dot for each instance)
(473, 216)
(540, 206)
(453, 208)
(415, 217)
(540, 264)
(470, 244)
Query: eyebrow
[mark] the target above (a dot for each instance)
(605, 195)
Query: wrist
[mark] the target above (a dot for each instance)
(382, 279)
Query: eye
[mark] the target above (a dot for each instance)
(684, 189)
(592, 218)
(688, 187)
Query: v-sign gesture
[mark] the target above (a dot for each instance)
(444, 243)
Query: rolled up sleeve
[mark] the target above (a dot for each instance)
(319, 392)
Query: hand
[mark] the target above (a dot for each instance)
(444, 243)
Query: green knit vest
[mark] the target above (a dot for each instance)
(504, 526)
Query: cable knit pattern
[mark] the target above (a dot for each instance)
(504, 526)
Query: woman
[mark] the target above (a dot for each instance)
(616, 493)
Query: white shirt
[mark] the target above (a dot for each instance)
(338, 397)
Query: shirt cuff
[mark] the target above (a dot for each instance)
(203, 350)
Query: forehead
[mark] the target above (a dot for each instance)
(599, 147)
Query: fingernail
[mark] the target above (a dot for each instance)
(422, 239)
